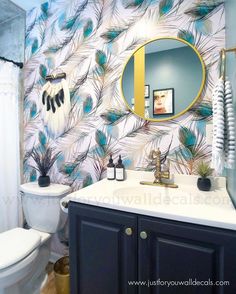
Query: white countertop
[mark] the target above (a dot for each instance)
(185, 203)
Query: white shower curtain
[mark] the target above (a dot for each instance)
(9, 147)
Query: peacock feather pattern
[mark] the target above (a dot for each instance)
(91, 41)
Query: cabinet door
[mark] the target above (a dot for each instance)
(175, 251)
(103, 255)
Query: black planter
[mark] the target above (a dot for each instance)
(204, 184)
(44, 181)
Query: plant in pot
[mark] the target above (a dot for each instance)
(44, 160)
(204, 170)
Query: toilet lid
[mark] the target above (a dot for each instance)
(52, 190)
(16, 244)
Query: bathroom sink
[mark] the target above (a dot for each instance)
(185, 203)
(148, 196)
(161, 196)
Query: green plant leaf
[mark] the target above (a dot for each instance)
(204, 169)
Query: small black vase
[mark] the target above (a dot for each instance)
(204, 184)
(44, 181)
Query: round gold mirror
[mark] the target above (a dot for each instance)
(163, 79)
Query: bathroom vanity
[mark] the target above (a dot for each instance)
(124, 232)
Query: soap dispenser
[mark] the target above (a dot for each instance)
(120, 170)
(111, 169)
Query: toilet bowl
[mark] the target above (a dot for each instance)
(24, 253)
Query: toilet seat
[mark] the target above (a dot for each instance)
(24, 270)
(15, 245)
(19, 270)
(24, 254)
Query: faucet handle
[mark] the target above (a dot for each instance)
(155, 154)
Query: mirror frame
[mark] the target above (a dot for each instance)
(194, 100)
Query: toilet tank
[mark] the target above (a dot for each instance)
(41, 206)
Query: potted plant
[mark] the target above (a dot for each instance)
(204, 170)
(44, 160)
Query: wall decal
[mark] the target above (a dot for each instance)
(91, 41)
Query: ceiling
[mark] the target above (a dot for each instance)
(28, 4)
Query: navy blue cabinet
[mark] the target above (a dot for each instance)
(113, 252)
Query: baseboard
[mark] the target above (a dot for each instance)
(54, 257)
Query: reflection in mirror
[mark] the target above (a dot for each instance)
(174, 76)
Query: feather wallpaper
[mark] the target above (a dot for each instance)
(90, 40)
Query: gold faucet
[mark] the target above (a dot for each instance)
(158, 173)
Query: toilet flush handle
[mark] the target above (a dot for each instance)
(22, 193)
(65, 204)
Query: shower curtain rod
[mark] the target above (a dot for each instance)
(223, 60)
(19, 64)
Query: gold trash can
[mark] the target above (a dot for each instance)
(62, 275)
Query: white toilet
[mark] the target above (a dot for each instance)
(24, 253)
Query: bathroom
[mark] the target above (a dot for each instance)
(118, 170)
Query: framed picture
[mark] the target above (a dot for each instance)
(163, 101)
(147, 91)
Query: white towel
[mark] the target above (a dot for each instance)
(218, 127)
(229, 127)
(223, 145)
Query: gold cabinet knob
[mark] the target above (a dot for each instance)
(143, 235)
(128, 231)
